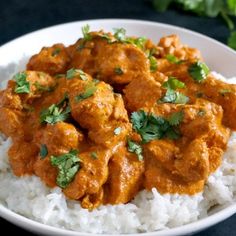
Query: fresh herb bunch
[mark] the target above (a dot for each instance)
(209, 8)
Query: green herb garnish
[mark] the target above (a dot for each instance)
(118, 71)
(42, 88)
(86, 34)
(117, 130)
(119, 34)
(43, 151)
(71, 73)
(153, 63)
(176, 118)
(201, 112)
(151, 127)
(173, 59)
(90, 89)
(135, 148)
(68, 165)
(56, 51)
(56, 112)
(94, 155)
(223, 92)
(22, 85)
(199, 71)
(171, 95)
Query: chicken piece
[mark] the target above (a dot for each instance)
(22, 156)
(52, 60)
(10, 99)
(171, 45)
(114, 63)
(116, 129)
(11, 122)
(190, 163)
(92, 175)
(125, 177)
(142, 92)
(59, 138)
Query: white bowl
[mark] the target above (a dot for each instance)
(219, 57)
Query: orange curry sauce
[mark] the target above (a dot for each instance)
(110, 115)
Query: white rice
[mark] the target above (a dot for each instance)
(149, 211)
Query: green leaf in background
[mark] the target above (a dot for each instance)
(232, 6)
(232, 40)
(161, 5)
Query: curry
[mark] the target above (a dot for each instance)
(112, 115)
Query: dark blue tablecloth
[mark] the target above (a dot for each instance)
(18, 17)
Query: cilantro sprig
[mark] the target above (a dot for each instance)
(135, 148)
(151, 127)
(226, 9)
(72, 73)
(171, 95)
(199, 71)
(89, 91)
(56, 112)
(22, 85)
(68, 165)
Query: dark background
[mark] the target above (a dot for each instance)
(18, 17)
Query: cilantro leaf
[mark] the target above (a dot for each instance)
(71, 73)
(117, 130)
(199, 71)
(85, 31)
(43, 151)
(42, 88)
(135, 148)
(22, 85)
(55, 52)
(176, 118)
(175, 97)
(68, 165)
(173, 59)
(94, 155)
(90, 89)
(232, 40)
(173, 83)
(119, 34)
(56, 112)
(118, 71)
(153, 63)
(150, 126)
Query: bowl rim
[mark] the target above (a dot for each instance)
(193, 227)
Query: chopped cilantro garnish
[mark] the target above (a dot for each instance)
(173, 59)
(171, 95)
(176, 118)
(151, 127)
(173, 83)
(67, 165)
(42, 88)
(43, 151)
(56, 112)
(117, 130)
(22, 85)
(56, 51)
(94, 155)
(90, 89)
(223, 92)
(198, 71)
(118, 71)
(85, 31)
(201, 112)
(71, 73)
(135, 148)
(153, 63)
(119, 34)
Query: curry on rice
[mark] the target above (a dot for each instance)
(111, 115)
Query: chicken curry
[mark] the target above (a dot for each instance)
(111, 115)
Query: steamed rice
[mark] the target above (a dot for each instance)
(149, 211)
